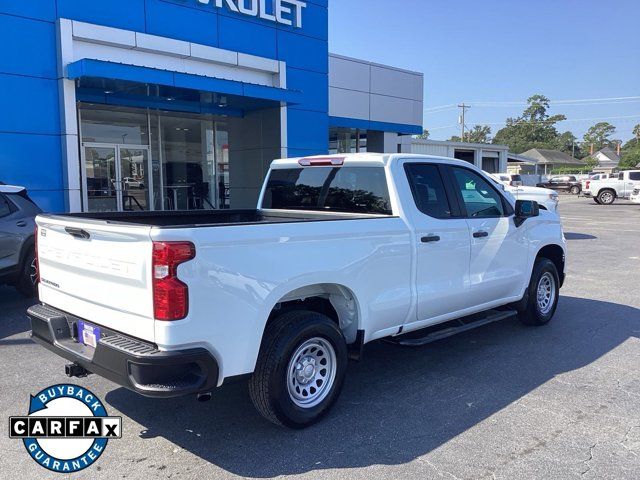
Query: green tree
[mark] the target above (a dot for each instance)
(636, 132)
(535, 128)
(424, 135)
(568, 143)
(477, 134)
(599, 136)
(630, 157)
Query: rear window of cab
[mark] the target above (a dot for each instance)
(340, 189)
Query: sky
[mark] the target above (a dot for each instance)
(487, 52)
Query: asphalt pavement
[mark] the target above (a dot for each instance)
(502, 401)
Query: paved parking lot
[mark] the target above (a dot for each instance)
(503, 401)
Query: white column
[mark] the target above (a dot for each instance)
(71, 167)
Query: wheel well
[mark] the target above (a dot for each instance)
(615, 194)
(555, 253)
(335, 301)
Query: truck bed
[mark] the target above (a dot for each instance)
(213, 218)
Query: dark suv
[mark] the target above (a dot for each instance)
(563, 183)
(17, 240)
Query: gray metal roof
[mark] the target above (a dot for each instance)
(613, 158)
(551, 157)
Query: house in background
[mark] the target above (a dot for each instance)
(548, 160)
(607, 159)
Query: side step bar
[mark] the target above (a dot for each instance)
(448, 329)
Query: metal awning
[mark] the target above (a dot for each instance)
(129, 85)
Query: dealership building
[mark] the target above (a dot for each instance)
(182, 104)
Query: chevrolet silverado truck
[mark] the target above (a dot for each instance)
(341, 251)
(547, 199)
(607, 191)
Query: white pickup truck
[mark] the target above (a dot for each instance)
(547, 199)
(606, 191)
(341, 251)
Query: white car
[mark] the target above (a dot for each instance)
(635, 195)
(340, 251)
(547, 199)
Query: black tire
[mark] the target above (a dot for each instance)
(575, 190)
(530, 310)
(269, 385)
(27, 282)
(606, 197)
(595, 199)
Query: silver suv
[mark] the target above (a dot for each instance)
(17, 240)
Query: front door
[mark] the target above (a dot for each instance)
(443, 246)
(499, 249)
(117, 178)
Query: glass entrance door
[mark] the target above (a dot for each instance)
(134, 178)
(117, 177)
(101, 168)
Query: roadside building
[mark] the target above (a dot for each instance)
(607, 159)
(182, 104)
(548, 160)
(488, 157)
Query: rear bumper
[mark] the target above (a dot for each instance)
(129, 362)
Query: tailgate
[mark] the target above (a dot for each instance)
(98, 271)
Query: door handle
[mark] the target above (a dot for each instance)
(480, 234)
(78, 233)
(21, 223)
(430, 239)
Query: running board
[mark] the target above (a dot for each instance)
(450, 328)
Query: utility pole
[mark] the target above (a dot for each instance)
(464, 108)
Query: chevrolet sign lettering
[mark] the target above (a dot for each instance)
(286, 12)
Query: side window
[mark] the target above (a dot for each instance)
(480, 198)
(5, 208)
(428, 190)
(621, 176)
(635, 176)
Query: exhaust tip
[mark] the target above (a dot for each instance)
(204, 397)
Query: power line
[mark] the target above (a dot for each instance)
(574, 120)
(574, 102)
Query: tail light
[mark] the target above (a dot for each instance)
(170, 295)
(36, 256)
(586, 186)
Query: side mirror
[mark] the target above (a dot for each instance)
(526, 209)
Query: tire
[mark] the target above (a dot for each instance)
(595, 199)
(575, 190)
(289, 387)
(538, 311)
(606, 197)
(27, 282)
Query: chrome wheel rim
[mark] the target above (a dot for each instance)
(311, 372)
(546, 293)
(606, 198)
(33, 272)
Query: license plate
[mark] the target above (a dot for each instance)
(88, 334)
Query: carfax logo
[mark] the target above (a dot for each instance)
(67, 428)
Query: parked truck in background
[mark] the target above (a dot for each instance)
(341, 251)
(547, 199)
(607, 191)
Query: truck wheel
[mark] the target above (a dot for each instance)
(28, 282)
(595, 199)
(575, 190)
(300, 370)
(541, 298)
(606, 197)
